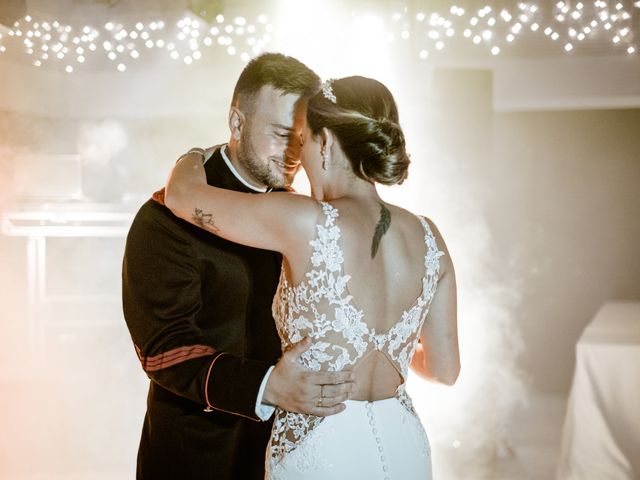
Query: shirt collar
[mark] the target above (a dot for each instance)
(223, 152)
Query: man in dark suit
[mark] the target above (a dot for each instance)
(199, 307)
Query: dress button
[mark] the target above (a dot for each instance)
(380, 448)
(375, 431)
(385, 468)
(378, 441)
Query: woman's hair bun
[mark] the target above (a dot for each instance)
(363, 115)
(384, 159)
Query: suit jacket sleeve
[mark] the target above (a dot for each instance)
(161, 299)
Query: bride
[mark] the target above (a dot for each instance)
(369, 283)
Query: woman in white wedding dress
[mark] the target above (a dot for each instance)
(371, 284)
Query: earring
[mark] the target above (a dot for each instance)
(325, 157)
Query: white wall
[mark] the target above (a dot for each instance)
(567, 82)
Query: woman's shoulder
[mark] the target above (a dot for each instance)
(296, 204)
(446, 263)
(300, 213)
(432, 234)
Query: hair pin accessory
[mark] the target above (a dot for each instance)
(327, 91)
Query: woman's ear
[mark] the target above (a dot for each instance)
(236, 123)
(326, 139)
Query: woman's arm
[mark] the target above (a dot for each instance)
(273, 221)
(437, 357)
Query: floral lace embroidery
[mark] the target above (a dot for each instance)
(321, 308)
(405, 400)
(306, 457)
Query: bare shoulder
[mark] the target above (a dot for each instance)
(297, 213)
(410, 218)
(297, 207)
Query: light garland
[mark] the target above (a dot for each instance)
(70, 48)
(565, 23)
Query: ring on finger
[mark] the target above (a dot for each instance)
(321, 391)
(320, 402)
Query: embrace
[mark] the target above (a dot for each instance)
(278, 329)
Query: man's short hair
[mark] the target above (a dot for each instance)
(281, 72)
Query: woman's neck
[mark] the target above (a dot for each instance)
(339, 180)
(344, 185)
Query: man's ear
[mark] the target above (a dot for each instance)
(236, 122)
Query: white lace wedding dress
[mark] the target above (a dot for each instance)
(382, 439)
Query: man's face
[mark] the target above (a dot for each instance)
(266, 137)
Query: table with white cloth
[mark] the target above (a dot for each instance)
(601, 434)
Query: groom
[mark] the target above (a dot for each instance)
(198, 307)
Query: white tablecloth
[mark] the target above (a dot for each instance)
(601, 435)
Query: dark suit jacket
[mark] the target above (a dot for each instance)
(199, 312)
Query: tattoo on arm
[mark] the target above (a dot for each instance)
(204, 220)
(381, 229)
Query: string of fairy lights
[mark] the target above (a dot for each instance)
(567, 24)
(56, 43)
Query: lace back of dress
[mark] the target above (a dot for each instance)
(321, 308)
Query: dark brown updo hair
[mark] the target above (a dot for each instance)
(364, 119)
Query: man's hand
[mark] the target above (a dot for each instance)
(294, 388)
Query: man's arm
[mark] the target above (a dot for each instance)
(161, 298)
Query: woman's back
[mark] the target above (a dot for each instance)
(363, 310)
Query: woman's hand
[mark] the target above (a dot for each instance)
(187, 174)
(159, 195)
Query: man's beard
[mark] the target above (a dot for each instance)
(260, 171)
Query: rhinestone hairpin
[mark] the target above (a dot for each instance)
(327, 91)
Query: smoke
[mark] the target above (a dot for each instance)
(77, 377)
(6, 175)
(451, 183)
(468, 422)
(104, 170)
(100, 142)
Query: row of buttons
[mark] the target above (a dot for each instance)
(374, 430)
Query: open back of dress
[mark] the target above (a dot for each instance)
(343, 335)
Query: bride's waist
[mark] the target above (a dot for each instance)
(376, 378)
(365, 395)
